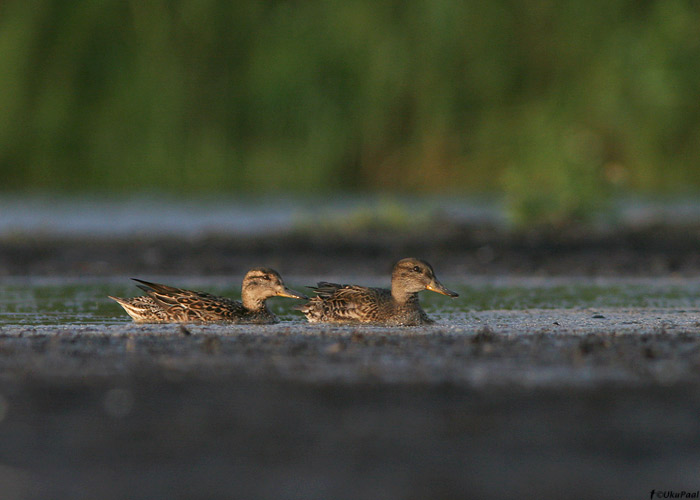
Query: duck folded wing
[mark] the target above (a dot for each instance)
(169, 295)
(148, 287)
(326, 290)
(201, 308)
(353, 303)
(187, 305)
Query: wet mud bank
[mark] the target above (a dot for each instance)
(645, 251)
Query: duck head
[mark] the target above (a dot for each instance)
(414, 275)
(261, 283)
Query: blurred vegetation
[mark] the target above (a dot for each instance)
(378, 216)
(556, 103)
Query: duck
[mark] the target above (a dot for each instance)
(335, 303)
(167, 304)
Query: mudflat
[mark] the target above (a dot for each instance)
(454, 249)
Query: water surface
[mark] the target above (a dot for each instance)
(153, 215)
(71, 301)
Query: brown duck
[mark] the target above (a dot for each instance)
(166, 304)
(336, 303)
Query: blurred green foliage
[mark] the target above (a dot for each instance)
(556, 102)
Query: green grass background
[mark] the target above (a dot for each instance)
(555, 104)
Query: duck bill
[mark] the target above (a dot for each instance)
(437, 287)
(291, 294)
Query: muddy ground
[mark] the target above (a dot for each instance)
(453, 249)
(507, 404)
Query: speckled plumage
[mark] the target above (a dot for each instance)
(335, 303)
(166, 304)
(142, 309)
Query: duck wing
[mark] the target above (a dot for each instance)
(189, 305)
(325, 290)
(350, 302)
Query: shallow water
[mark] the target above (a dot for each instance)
(243, 215)
(56, 301)
(118, 217)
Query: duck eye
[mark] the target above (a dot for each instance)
(265, 277)
(416, 269)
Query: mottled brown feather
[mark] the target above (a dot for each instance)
(167, 304)
(335, 303)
